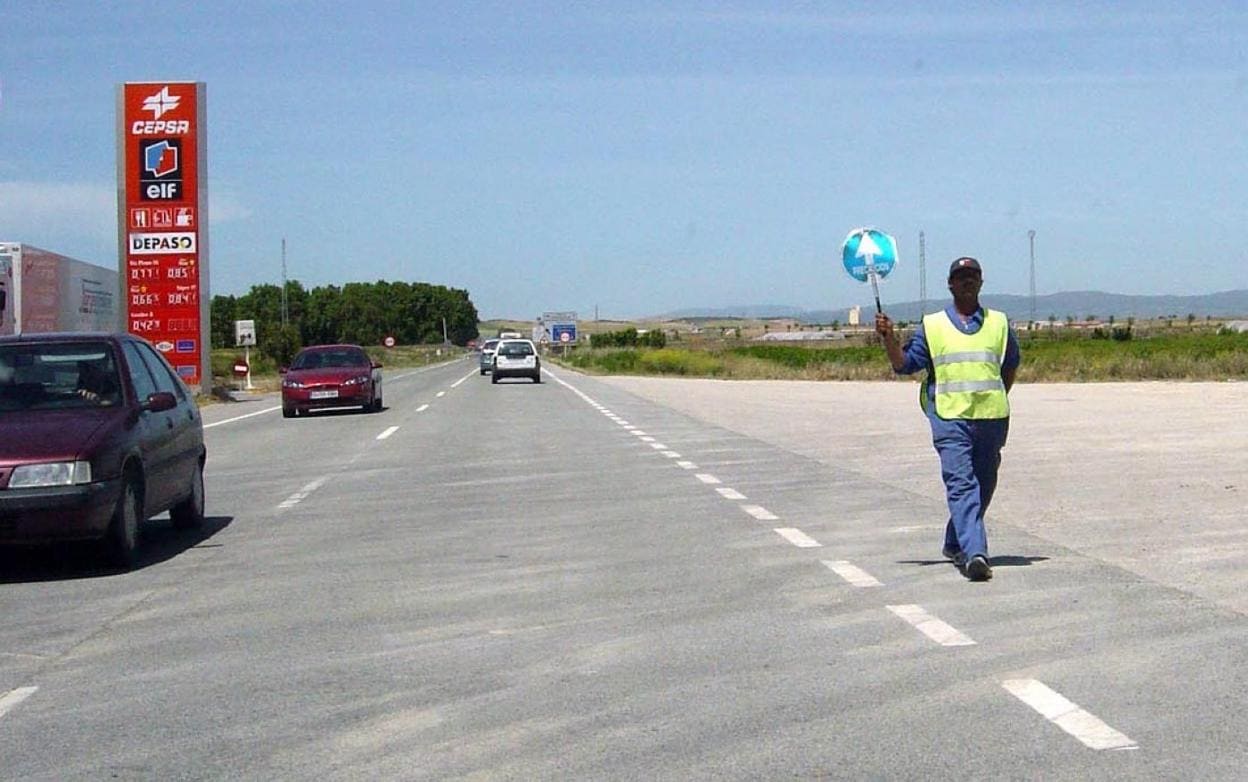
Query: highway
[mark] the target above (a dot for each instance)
(573, 580)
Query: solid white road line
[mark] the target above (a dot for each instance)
(422, 408)
(387, 433)
(798, 538)
(14, 697)
(687, 465)
(1068, 716)
(241, 417)
(933, 628)
(759, 512)
(730, 494)
(851, 573)
(705, 478)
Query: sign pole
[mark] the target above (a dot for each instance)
(247, 358)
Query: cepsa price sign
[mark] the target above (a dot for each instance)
(162, 237)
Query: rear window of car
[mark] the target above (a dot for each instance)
(490, 344)
(516, 349)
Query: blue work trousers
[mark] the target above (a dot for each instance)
(970, 453)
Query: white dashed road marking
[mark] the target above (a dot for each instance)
(730, 494)
(759, 512)
(851, 573)
(387, 433)
(440, 394)
(462, 379)
(303, 493)
(658, 446)
(14, 697)
(422, 408)
(798, 538)
(687, 465)
(705, 478)
(1068, 716)
(933, 628)
(671, 454)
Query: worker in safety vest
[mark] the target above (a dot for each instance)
(971, 357)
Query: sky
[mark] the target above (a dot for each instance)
(631, 159)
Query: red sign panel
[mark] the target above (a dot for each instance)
(166, 285)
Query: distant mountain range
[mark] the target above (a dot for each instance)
(1079, 304)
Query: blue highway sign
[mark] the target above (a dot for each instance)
(867, 250)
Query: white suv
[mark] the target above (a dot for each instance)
(516, 358)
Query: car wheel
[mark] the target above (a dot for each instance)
(483, 371)
(494, 378)
(121, 542)
(378, 406)
(288, 412)
(189, 513)
(537, 377)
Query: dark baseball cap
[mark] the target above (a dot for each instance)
(964, 263)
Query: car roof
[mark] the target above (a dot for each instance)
(311, 348)
(67, 336)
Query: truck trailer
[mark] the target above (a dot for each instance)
(43, 291)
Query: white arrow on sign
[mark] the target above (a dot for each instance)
(867, 248)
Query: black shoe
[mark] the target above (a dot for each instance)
(978, 569)
(954, 555)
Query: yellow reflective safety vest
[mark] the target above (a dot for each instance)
(968, 367)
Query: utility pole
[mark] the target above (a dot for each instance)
(445, 339)
(284, 313)
(1031, 240)
(922, 275)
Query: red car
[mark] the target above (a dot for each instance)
(327, 376)
(97, 434)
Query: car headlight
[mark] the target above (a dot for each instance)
(355, 381)
(291, 384)
(29, 476)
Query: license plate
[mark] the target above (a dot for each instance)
(324, 394)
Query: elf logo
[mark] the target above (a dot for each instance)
(160, 173)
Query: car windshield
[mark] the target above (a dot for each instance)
(330, 359)
(58, 376)
(512, 349)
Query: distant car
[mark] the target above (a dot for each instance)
(97, 434)
(517, 358)
(327, 376)
(487, 355)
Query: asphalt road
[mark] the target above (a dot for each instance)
(573, 580)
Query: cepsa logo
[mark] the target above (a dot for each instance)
(159, 104)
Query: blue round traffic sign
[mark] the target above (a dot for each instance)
(868, 251)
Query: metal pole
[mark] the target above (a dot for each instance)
(247, 360)
(922, 275)
(284, 316)
(1031, 240)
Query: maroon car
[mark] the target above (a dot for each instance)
(97, 434)
(327, 376)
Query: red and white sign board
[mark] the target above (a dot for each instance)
(163, 209)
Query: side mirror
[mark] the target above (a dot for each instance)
(160, 401)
